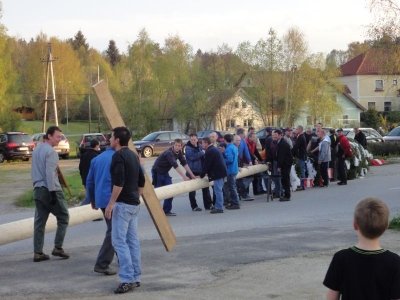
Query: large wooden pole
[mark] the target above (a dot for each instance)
(23, 229)
(114, 119)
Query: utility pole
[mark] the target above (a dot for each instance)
(49, 76)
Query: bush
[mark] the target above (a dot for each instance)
(395, 223)
(357, 165)
(384, 149)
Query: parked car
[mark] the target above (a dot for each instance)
(62, 148)
(204, 133)
(371, 134)
(157, 142)
(393, 135)
(15, 145)
(84, 143)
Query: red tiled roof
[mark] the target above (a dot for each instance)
(368, 63)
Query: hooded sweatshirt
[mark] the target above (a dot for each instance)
(325, 150)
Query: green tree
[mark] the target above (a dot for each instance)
(371, 118)
(112, 53)
(79, 42)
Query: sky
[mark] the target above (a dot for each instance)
(205, 24)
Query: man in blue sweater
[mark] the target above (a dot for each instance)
(98, 193)
(231, 161)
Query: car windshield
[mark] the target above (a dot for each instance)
(150, 137)
(19, 138)
(394, 132)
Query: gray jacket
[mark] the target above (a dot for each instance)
(325, 150)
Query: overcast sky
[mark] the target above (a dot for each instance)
(203, 24)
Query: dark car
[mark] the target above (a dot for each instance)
(393, 135)
(15, 145)
(84, 143)
(157, 142)
(371, 134)
(204, 133)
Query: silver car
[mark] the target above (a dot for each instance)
(393, 135)
(62, 148)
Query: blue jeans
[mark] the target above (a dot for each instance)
(126, 242)
(302, 166)
(163, 180)
(219, 197)
(231, 188)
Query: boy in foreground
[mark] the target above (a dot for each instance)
(365, 271)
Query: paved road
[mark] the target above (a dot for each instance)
(262, 251)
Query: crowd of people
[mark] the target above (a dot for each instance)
(115, 181)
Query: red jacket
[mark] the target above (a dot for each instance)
(345, 147)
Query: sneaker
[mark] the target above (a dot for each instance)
(137, 283)
(233, 206)
(59, 252)
(124, 287)
(40, 257)
(216, 211)
(197, 209)
(106, 271)
(247, 198)
(283, 199)
(170, 214)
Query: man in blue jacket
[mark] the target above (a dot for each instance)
(195, 159)
(98, 192)
(231, 161)
(214, 167)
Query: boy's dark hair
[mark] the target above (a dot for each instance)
(193, 134)
(278, 131)
(372, 217)
(51, 130)
(123, 134)
(228, 138)
(94, 143)
(207, 140)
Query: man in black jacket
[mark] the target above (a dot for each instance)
(360, 137)
(215, 168)
(86, 158)
(300, 151)
(285, 161)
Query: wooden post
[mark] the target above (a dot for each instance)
(114, 119)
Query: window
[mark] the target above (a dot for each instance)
(236, 104)
(248, 123)
(394, 81)
(379, 85)
(163, 137)
(175, 135)
(371, 105)
(244, 104)
(387, 106)
(230, 123)
(345, 119)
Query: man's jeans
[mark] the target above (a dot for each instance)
(302, 166)
(163, 180)
(44, 207)
(106, 253)
(126, 242)
(219, 197)
(231, 190)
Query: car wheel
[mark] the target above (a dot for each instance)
(65, 156)
(147, 152)
(25, 159)
(1, 157)
(184, 150)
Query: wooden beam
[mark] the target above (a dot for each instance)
(114, 119)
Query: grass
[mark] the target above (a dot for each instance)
(73, 128)
(395, 223)
(77, 192)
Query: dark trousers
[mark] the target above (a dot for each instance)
(342, 176)
(44, 207)
(324, 173)
(207, 201)
(106, 253)
(285, 173)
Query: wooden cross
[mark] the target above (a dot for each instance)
(114, 119)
